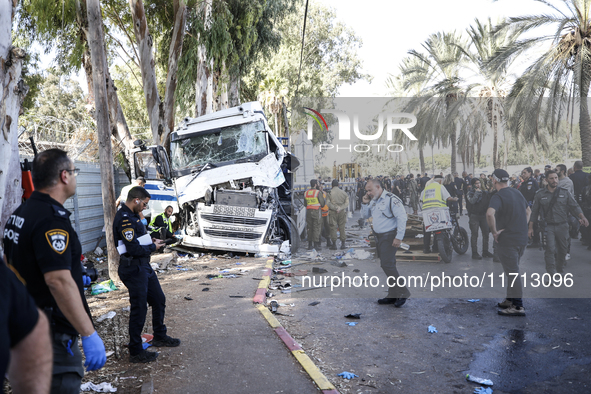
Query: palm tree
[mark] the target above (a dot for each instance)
(441, 75)
(562, 72)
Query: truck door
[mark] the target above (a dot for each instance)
(162, 195)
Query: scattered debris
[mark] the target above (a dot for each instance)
(205, 289)
(340, 264)
(347, 375)
(482, 390)
(273, 306)
(432, 329)
(574, 318)
(98, 251)
(350, 323)
(99, 388)
(188, 298)
(354, 316)
(314, 303)
(236, 296)
(108, 315)
(486, 382)
(319, 270)
(103, 287)
(474, 300)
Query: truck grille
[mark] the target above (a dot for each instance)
(231, 234)
(234, 220)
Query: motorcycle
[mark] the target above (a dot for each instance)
(447, 232)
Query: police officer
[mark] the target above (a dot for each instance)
(161, 225)
(139, 278)
(477, 204)
(139, 181)
(413, 192)
(528, 188)
(324, 210)
(555, 203)
(43, 249)
(313, 200)
(24, 338)
(338, 204)
(389, 225)
(434, 196)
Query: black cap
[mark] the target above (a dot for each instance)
(501, 175)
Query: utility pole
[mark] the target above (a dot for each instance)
(99, 64)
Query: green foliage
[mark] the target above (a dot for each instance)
(323, 171)
(30, 72)
(442, 161)
(133, 103)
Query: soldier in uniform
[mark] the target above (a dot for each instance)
(338, 204)
(555, 203)
(389, 225)
(314, 201)
(139, 278)
(528, 188)
(43, 250)
(325, 233)
(413, 192)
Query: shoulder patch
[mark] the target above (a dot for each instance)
(128, 234)
(58, 240)
(60, 212)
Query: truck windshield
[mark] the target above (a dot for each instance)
(226, 144)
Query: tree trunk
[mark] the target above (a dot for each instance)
(12, 93)
(97, 45)
(422, 160)
(174, 54)
(234, 90)
(204, 82)
(585, 121)
(494, 125)
(144, 43)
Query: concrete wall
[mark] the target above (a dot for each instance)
(87, 204)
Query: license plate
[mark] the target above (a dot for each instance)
(233, 211)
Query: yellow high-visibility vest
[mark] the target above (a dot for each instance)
(325, 207)
(433, 197)
(311, 197)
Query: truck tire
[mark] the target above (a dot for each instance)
(288, 227)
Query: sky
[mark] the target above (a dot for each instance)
(390, 28)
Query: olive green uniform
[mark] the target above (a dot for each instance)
(556, 225)
(414, 195)
(338, 200)
(313, 220)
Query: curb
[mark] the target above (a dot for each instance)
(306, 362)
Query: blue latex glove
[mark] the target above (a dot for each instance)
(432, 329)
(69, 348)
(144, 222)
(474, 300)
(86, 280)
(94, 350)
(347, 375)
(351, 323)
(482, 390)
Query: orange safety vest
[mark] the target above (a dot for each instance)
(325, 207)
(311, 197)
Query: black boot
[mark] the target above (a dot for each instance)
(317, 245)
(333, 245)
(310, 245)
(343, 245)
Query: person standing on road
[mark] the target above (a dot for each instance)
(324, 217)
(338, 202)
(507, 216)
(554, 204)
(434, 196)
(528, 189)
(477, 204)
(389, 226)
(139, 278)
(43, 249)
(313, 200)
(579, 179)
(459, 182)
(413, 192)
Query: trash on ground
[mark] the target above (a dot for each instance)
(99, 388)
(126, 309)
(98, 251)
(205, 289)
(356, 270)
(314, 303)
(574, 318)
(319, 270)
(108, 315)
(285, 262)
(474, 300)
(354, 316)
(236, 296)
(147, 337)
(340, 264)
(432, 329)
(347, 375)
(146, 345)
(475, 379)
(350, 323)
(109, 353)
(103, 287)
(482, 390)
(273, 306)
(188, 298)
(154, 266)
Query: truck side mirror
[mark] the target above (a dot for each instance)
(162, 166)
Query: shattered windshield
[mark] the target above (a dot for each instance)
(226, 144)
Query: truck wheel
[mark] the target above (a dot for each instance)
(289, 229)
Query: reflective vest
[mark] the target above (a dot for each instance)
(311, 197)
(432, 197)
(325, 207)
(166, 221)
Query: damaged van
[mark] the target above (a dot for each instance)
(229, 178)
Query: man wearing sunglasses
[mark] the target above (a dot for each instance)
(43, 249)
(139, 278)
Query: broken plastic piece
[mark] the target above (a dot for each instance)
(347, 375)
(188, 298)
(99, 388)
(205, 289)
(350, 323)
(474, 379)
(482, 390)
(319, 270)
(314, 303)
(273, 306)
(432, 329)
(354, 316)
(474, 300)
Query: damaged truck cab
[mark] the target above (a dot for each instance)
(228, 171)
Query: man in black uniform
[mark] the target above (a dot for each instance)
(579, 179)
(139, 278)
(459, 182)
(43, 249)
(528, 188)
(24, 338)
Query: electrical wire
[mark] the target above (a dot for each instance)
(302, 51)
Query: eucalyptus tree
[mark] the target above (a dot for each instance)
(443, 59)
(561, 73)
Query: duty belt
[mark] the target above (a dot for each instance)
(393, 232)
(126, 260)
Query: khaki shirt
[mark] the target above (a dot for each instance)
(564, 204)
(338, 199)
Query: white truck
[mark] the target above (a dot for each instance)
(226, 178)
